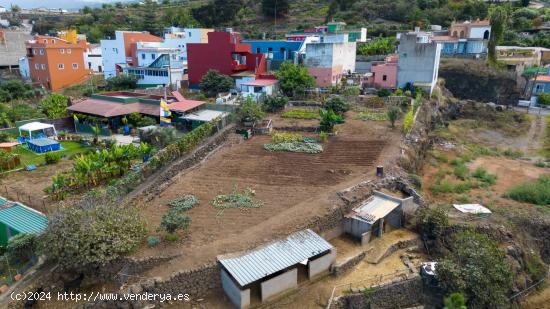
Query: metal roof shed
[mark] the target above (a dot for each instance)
(16, 218)
(274, 257)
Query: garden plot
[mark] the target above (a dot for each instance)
(294, 188)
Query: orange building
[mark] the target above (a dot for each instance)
(56, 63)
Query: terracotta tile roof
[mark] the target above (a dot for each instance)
(112, 109)
(185, 105)
(261, 82)
(543, 78)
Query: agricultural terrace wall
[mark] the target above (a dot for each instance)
(400, 294)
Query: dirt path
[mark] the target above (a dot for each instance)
(533, 140)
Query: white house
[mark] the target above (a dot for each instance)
(3, 9)
(157, 65)
(93, 59)
(259, 88)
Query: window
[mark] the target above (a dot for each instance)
(34, 51)
(75, 66)
(36, 66)
(152, 56)
(42, 51)
(53, 41)
(384, 77)
(257, 50)
(189, 33)
(142, 56)
(61, 66)
(69, 50)
(45, 41)
(43, 67)
(115, 50)
(62, 50)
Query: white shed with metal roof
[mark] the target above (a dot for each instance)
(268, 270)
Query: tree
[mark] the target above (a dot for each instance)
(275, 103)
(337, 104)
(328, 119)
(498, 19)
(121, 82)
(393, 114)
(294, 78)
(21, 247)
(477, 268)
(174, 220)
(455, 301)
(250, 111)
(378, 46)
(213, 83)
(93, 232)
(432, 222)
(544, 99)
(54, 105)
(272, 8)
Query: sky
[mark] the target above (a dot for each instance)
(65, 4)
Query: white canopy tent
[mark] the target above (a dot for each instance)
(36, 126)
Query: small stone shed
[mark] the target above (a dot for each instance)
(373, 215)
(252, 277)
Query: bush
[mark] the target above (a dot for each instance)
(294, 79)
(275, 103)
(461, 171)
(93, 232)
(337, 104)
(160, 136)
(408, 122)
(455, 301)
(54, 105)
(250, 111)
(393, 114)
(183, 203)
(534, 192)
(544, 99)
(478, 268)
(384, 93)
(481, 174)
(21, 247)
(328, 120)
(323, 136)
(153, 241)
(432, 222)
(52, 157)
(213, 83)
(301, 113)
(172, 237)
(236, 199)
(121, 82)
(174, 220)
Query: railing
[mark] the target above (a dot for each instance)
(367, 283)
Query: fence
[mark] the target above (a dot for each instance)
(367, 283)
(25, 198)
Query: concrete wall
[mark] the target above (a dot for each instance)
(280, 283)
(394, 217)
(93, 59)
(356, 227)
(321, 264)
(418, 62)
(479, 32)
(365, 238)
(239, 298)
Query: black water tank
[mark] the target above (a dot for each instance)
(380, 171)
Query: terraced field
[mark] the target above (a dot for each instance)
(294, 187)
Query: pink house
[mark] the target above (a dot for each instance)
(384, 73)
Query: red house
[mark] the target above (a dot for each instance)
(223, 53)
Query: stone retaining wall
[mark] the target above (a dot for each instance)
(342, 267)
(400, 294)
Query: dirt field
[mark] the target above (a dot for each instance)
(295, 188)
(28, 187)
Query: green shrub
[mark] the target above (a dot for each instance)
(236, 199)
(52, 157)
(544, 99)
(393, 114)
(461, 171)
(328, 119)
(416, 181)
(21, 247)
(534, 192)
(432, 222)
(183, 203)
(337, 104)
(275, 103)
(174, 220)
(384, 93)
(153, 241)
(481, 174)
(408, 122)
(323, 136)
(540, 163)
(301, 113)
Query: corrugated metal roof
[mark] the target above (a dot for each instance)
(23, 219)
(375, 208)
(268, 259)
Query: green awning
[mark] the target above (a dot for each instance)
(23, 219)
(532, 71)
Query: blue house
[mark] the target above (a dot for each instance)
(275, 50)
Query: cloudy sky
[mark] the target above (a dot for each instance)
(66, 4)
